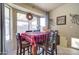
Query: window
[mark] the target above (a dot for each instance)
(42, 23)
(33, 23)
(22, 22)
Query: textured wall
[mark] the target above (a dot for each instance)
(69, 30)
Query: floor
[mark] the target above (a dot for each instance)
(61, 51)
(67, 51)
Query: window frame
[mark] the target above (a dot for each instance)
(10, 13)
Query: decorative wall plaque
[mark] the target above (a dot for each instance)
(29, 16)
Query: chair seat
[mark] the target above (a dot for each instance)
(25, 44)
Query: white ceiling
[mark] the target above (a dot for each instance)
(47, 6)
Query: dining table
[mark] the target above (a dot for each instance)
(34, 38)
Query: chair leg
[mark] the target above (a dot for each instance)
(17, 50)
(43, 51)
(20, 50)
(23, 51)
(52, 51)
(46, 52)
(56, 50)
(46, 48)
(28, 50)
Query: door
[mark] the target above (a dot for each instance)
(0, 28)
(2, 49)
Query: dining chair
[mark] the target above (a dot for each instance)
(50, 45)
(42, 46)
(29, 31)
(36, 30)
(22, 45)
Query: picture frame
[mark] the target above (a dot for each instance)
(61, 20)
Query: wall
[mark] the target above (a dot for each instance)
(14, 28)
(69, 30)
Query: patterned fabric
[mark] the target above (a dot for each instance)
(53, 37)
(52, 40)
(34, 37)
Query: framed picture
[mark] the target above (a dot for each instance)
(61, 20)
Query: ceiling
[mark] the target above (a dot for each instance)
(47, 6)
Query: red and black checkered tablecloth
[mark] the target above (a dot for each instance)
(34, 37)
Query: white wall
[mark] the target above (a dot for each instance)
(69, 30)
